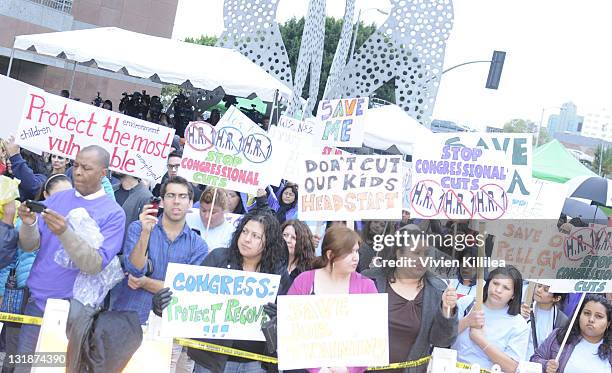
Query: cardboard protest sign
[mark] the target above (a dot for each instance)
(350, 187)
(60, 126)
(11, 97)
(217, 303)
(580, 259)
(320, 331)
(296, 125)
(341, 122)
(471, 176)
(235, 154)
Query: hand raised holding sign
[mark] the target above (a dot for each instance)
(552, 366)
(449, 301)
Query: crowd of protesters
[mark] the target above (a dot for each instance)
(190, 224)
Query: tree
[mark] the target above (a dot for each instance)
(203, 40)
(291, 32)
(527, 126)
(606, 164)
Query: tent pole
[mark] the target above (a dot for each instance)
(8, 71)
(72, 80)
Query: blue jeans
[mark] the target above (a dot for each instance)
(235, 367)
(28, 336)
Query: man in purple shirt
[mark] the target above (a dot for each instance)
(50, 232)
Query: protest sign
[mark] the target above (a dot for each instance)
(582, 258)
(407, 185)
(353, 187)
(217, 303)
(299, 145)
(11, 98)
(319, 331)
(296, 125)
(235, 154)
(471, 176)
(60, 126)
(341, 122)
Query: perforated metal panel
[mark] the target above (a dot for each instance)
(251, 29)
(408, 47)
(311, 57)
(332, 87)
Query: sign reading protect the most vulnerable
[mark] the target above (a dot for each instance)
(329, 331)
(60, 126)
(217, 303)
(350, 187)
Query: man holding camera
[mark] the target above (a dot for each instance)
(151, 243)
(51, 232)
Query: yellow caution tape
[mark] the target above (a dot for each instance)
(404, 364)
(205, 346)
(22, 319)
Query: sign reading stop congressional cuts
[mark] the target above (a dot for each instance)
(235, 154)
(471, 176)
(63, 127)
(350, 187)
(341, 122)
(317, 331)
(217, 303)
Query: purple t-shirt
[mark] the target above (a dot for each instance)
(50, 280)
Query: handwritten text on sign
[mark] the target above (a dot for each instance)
(459, 182)
(63, 127)
(341, 122)
(217, 303)
(320, 331)
(350, 188)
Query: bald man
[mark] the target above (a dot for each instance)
(50, 232)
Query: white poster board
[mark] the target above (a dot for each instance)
(217, 303)
(353, 187)
(61, 126)
(341, 122)
(332, 331)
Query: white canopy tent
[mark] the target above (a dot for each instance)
(389, 125)
(159, 59)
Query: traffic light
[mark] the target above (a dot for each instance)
(495, 70)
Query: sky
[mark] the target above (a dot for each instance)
(556, 51)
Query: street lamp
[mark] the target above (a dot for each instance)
(542, 119)
(604, 145)
(357, 27)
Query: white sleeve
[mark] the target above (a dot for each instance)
(518, 341)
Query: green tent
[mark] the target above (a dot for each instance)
(553, 162)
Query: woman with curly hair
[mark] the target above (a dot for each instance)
(588, 347)
(256, 246)
(301, 251)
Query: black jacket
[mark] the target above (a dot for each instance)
(100, 342)
(220, 258)
(436, 330)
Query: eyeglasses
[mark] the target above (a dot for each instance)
(182, 196)
(60, 158)
(173, 166)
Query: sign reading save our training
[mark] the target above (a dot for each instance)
(341, 122)
(235, 154)
(60, 126)
(471, 176)
(217, 303)
(329, 331)
(350, 187)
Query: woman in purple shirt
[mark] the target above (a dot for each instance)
(589, 346)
